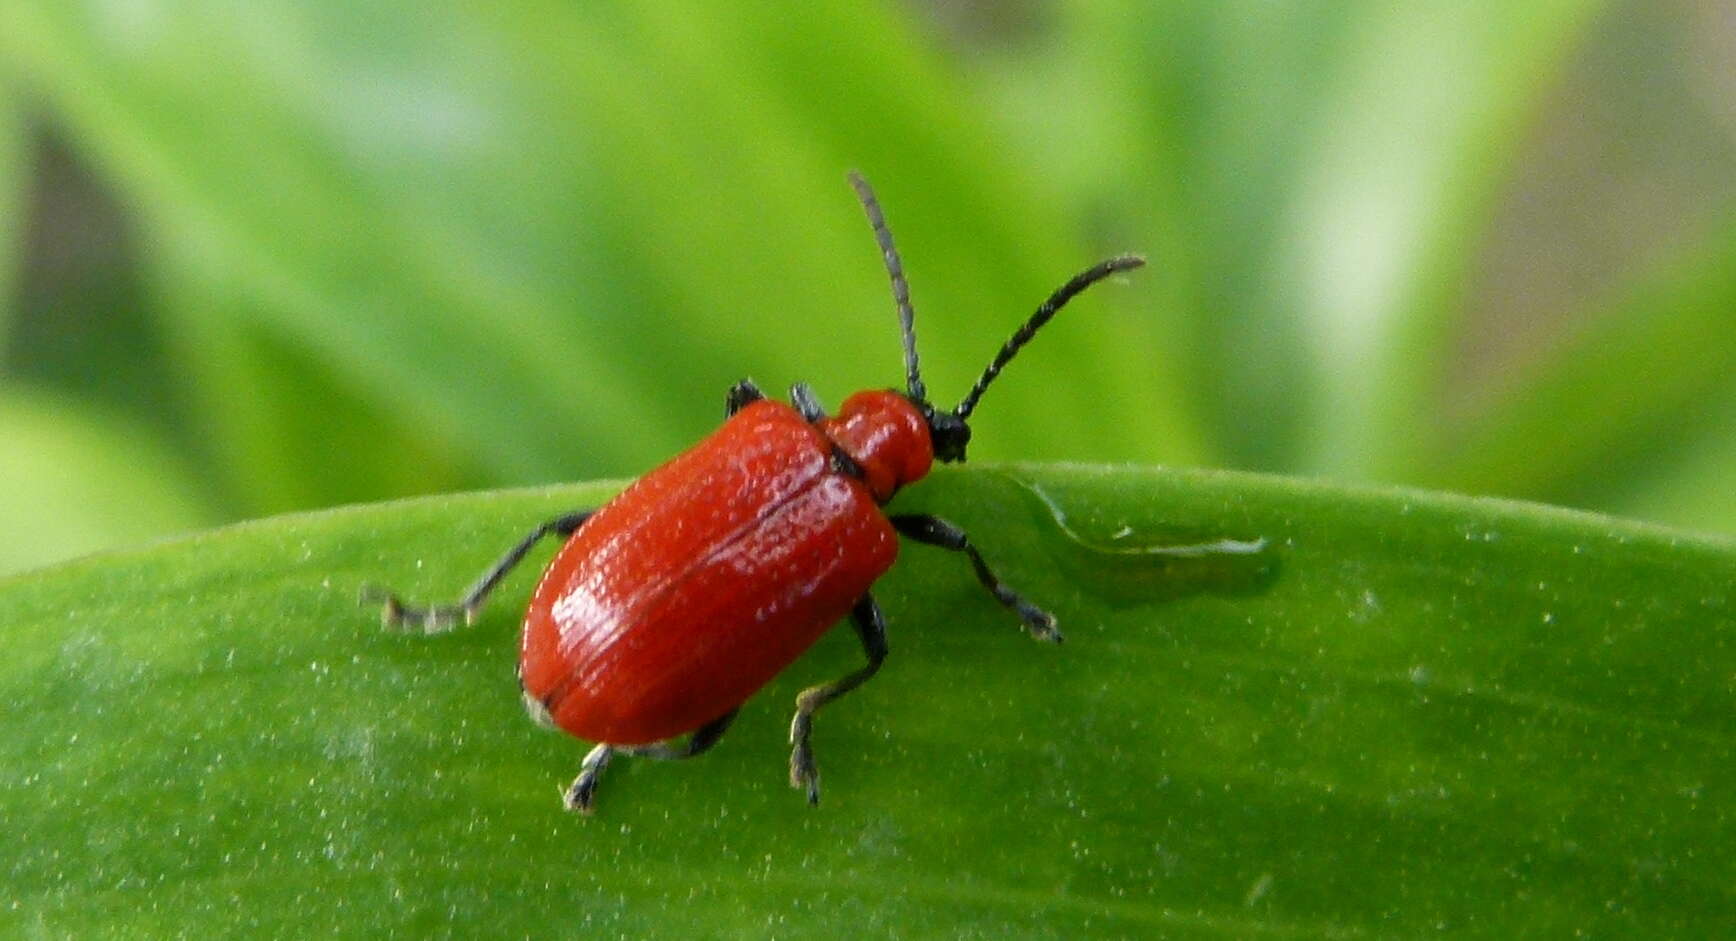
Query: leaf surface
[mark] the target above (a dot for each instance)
(1407, 712)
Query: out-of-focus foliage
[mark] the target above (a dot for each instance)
(73, 481)
(328, 252)
(12, 181)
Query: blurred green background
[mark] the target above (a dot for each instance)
(267, 256)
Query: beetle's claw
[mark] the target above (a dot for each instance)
(804, 776)
(581, 798)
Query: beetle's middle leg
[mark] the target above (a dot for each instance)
(435, 619)
(583, 794)
(871, 630)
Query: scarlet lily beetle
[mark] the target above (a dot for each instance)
(677, 600)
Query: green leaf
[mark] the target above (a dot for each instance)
(1408, 713)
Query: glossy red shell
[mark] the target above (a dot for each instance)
(700, 582)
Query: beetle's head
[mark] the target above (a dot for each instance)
(948, 433)
(948, 430)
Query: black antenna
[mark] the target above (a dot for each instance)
(900, 288)
(1053, 305)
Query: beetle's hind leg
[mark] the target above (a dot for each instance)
(871, 630)
(698, 743)
(583, 794)
(436, 619)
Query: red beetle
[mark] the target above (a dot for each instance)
(677, 600)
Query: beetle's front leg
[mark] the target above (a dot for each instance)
(938, 532)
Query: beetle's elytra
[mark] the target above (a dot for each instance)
(677, 600)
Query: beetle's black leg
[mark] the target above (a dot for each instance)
(739, 396)
(871, 630)
(939, 532)
(803, 398)
(435, 619)
(698, 743)
(583, 794)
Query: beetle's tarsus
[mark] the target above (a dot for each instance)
(391, 609)
(395, 615)
(804, 775)
(1040, 623)
(582, 796)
